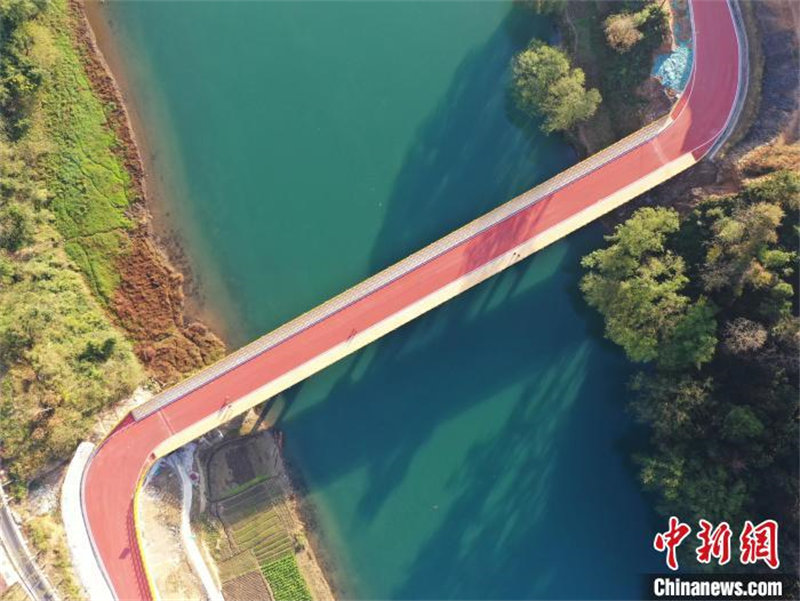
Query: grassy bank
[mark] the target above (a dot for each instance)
(91, 190)
(64, 194)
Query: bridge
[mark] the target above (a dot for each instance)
(693, 128)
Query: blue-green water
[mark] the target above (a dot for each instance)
(479, 452)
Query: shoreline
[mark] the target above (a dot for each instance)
(307, 515)
(318, 570)
(107, 74)
(96, 34)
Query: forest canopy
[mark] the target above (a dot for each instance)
(709, 302)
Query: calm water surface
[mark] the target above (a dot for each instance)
(478, 452)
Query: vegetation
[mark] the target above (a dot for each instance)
(46, 534)
(625, 29)
(258, 540)
(633, 35)
(285, 579)
(62, 197)
(20, 76)
(90, 188)
(546, 85)
(618, 75)
(710, 302)
(14, 593)
(639, 285)
(622, 32)
(546, 7)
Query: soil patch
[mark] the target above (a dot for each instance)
(247, 587)
(161, 518)
(240, 462)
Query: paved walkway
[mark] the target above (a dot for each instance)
(415, 285)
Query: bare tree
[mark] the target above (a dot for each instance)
(743, 336)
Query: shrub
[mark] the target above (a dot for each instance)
(622, 32)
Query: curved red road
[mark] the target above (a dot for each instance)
(112, 476)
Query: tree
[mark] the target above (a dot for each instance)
(743, 335)
(723, 425)
(97, 353)
(693, 340)
(672, 406)
(636, 283)
(740, 239)
(622, 32)
(15, 228)
(741, 423)
(546, 85)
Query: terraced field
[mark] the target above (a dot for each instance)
(258, 526)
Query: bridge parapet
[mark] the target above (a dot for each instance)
(402, 267)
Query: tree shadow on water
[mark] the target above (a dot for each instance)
(469, 155)
(391, 399)
(397, 392)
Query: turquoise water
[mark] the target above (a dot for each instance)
(479, 452)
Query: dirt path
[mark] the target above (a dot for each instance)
(182, 461)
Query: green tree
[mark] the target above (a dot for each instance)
(740, 240)
(741, 423)
(723, 425)
(673, 405)
(636, 283)
(546, 85)
(15, 228)
(626, 29)
(693, 340)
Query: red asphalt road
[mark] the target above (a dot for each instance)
(114, 473)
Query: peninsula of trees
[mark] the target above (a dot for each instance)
(707, 302)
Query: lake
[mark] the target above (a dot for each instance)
(298, 147)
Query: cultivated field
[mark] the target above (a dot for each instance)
(261, 547)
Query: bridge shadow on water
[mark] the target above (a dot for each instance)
(522, 338)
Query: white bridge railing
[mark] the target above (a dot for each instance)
(401, 268)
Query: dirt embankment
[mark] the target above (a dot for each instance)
(149, 302)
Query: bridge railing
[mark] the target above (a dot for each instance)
(399, 269)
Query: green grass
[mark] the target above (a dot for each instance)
(51, 391)
(285, 579)
(90, 188)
